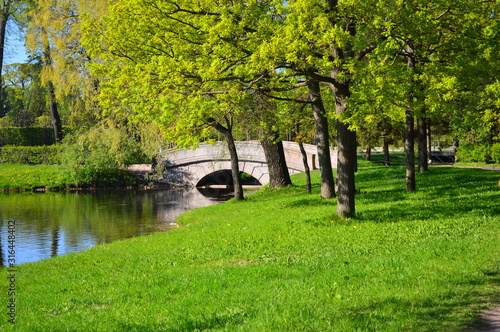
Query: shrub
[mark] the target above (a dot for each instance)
(495, 153)
(479, 153)
(26, 136)
(97, 157)
(98, 177)
(463, 153)
(30, 154)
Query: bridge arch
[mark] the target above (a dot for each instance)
(188, 167)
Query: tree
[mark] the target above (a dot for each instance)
(54, 34)
(191, 45)
(322, 139)
(334, 37)
(24, 95)
(434, 44)
(8, 10)
(265, 114)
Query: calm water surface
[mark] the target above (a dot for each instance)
(55, 223)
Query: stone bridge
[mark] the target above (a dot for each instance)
(192, 167)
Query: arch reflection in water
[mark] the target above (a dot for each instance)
(51, 224)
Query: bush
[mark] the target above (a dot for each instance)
(26, 136)
(479, 153)
(98, 177)
(495, 153)
(98, 157)
(463, 153)
(30, 154)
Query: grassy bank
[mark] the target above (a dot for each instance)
(282, 261)
(28, 177)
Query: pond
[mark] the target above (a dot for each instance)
(56, 223)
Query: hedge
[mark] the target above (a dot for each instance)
(479, 153)
(30, 154)
(26, 136)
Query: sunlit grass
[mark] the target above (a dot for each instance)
(27, 177)
(282, 261)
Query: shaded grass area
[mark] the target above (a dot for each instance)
(282, 261)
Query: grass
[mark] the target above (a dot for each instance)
(282, 261)
(31, 177)
(28, 177)
(471, 164)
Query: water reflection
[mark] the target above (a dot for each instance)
(51, 224)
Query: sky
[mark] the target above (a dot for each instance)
(15, 54)
(14, 46)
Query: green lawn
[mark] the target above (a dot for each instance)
(28, 177)
(282, 261)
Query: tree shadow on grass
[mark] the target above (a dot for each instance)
(440, 193)
(449, 312)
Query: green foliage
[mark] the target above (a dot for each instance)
(495, 153)
(26, 136)
(96, 157)
(479, 153)
(102, 177)
(30, 154)
(25, 98)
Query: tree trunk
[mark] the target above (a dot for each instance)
(409, 129)
(410, 150)
(346, 158)
(306, 167)
(279, 176)
(387, 156)
(54, 113)
(346, 169)
(368, 155)
(423, 157)
(4, 17)
(233, 154)
(322, 141)
(429, 142)
(456, 145)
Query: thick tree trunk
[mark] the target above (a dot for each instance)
(346, 169)
(409, 130)
(306, 167)
(322, 141)
(233, 154)
(387, 156)
(410, 150)
(279, 176)
(423, 156)
(346, 158)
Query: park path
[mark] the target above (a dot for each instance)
(490, 321)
